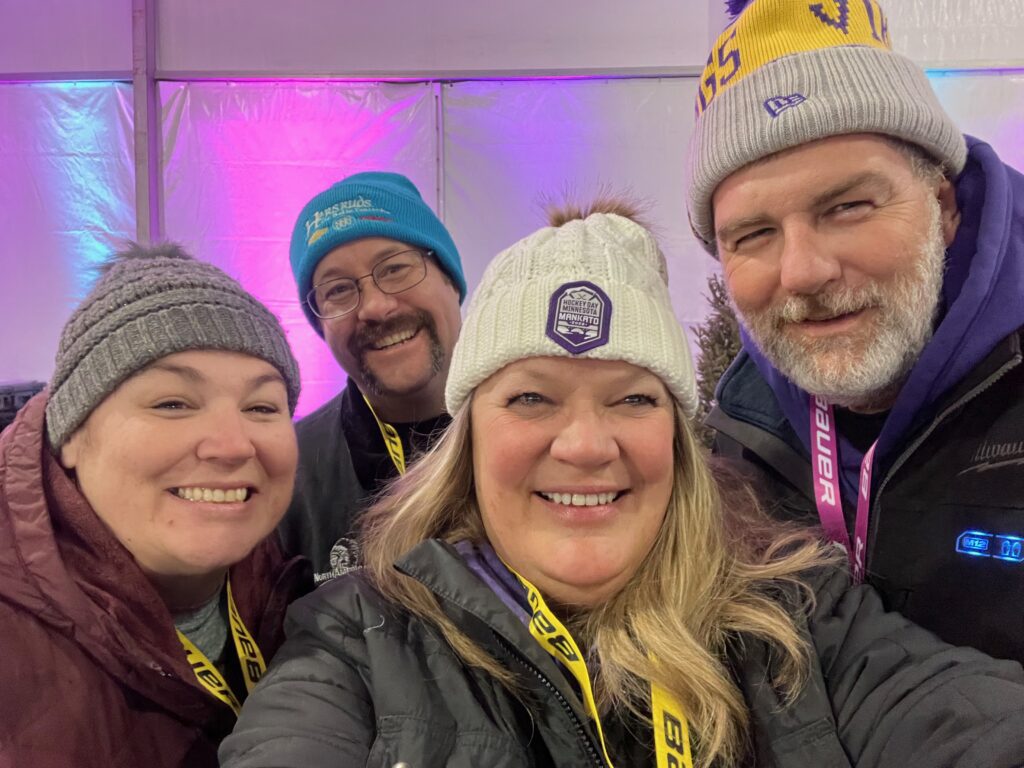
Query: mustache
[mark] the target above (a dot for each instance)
(369, 335)
(825, 306)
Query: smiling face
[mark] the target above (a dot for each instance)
(397, 347)
(833, 253)
(573, 467)
(190, 462)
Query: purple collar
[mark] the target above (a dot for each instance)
(485, 563)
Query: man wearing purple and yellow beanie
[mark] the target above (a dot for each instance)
(875, 257)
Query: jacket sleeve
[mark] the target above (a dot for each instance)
(904, 699)
(312, 708)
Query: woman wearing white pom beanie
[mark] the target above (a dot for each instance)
(567, 581)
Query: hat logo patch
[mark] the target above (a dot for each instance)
(341, 215)
(579, 317)
(776, 105)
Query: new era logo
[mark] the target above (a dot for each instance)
(776, 105)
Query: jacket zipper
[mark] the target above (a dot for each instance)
(903, 457)
(581, 732)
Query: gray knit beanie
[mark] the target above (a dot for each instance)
(150, 303)
(788, 72)
(594, 288)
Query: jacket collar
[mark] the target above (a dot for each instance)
(479, 612)
(749, 413)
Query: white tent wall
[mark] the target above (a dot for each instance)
(512, 147)
(66, 198)
(500, 122)
(242, 158)
(65, 39)
(440, 38)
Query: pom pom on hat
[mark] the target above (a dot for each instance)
(735, 7)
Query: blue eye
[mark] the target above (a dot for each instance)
(638, 399)
(526, 398)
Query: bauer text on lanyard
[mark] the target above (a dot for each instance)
(249, 658)
(671, 734)
(391, 440)
(827, 495)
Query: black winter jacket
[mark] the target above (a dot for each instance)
(957, 472)
(342, 464)
(362, 682)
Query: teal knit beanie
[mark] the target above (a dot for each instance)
(370, 204)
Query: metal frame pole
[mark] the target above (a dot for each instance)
(146, 107)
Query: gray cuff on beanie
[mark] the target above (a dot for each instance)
(144, 309)
(809, 96)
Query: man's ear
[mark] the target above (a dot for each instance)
(949, 216)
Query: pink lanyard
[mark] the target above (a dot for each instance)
(827, 496)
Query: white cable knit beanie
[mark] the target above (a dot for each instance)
(595, 288)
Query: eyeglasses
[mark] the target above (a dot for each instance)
(398, 272)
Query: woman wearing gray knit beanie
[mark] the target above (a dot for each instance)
(142, 588)
(565, 580)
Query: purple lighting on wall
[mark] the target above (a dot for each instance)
(242, 158)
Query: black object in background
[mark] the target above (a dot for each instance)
(13, 395)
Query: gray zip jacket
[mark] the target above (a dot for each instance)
(362, 682)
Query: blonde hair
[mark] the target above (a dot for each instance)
(715, 575)
(719, 572)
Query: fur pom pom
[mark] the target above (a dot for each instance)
(735, 7)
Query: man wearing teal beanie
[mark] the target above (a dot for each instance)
(381, 281)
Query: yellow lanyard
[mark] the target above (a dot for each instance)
(249, 657)
(391, 440)
(671, 734)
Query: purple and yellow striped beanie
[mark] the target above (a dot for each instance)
(789, 72)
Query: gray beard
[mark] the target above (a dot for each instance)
(860, 371)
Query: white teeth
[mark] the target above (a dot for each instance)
(580, 499)
(216, 495)
(394, 338)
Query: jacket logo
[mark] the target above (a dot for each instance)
(345, 556)
(995, 456)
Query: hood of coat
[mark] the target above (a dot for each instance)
(62, 565)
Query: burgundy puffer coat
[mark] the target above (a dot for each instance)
(91, 669)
